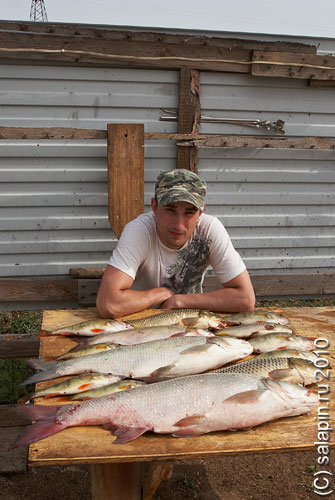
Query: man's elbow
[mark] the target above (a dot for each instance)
(104, 310)
(248, 303)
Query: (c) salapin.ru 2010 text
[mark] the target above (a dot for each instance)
(323, 477)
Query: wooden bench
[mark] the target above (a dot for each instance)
(11, 421)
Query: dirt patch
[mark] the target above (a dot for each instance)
(274, 476)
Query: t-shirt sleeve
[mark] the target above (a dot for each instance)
(225, 260)
(131, 249)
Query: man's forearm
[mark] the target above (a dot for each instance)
(222, 300)
(115, 305)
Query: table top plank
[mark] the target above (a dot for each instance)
(93, 444)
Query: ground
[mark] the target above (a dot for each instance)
(275, 476)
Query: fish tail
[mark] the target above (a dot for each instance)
(45, 426)
(25, 399)
(47, 371)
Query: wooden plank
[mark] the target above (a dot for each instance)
(245, 141)
(12, 460)
(321, 84)
(84, 289)
(125, 158)
(284, 64)
(38, 289)
(50, 133)
(189, 114)
(157, 37)
(87, 272)
(10, 417)
(20, 345)
(93, 444)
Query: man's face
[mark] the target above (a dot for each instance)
(175, 222)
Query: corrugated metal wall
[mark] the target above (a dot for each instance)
(53, 201)
(278, 205)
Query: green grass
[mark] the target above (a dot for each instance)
(15, 370)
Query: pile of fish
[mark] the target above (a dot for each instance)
(182, 372)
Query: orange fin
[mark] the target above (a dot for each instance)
(83, 387)
(97, 330)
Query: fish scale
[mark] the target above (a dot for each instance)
(184, 406)
(170, 357)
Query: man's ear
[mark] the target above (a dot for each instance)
(154, 205)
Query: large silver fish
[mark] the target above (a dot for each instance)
(274, 341)
(193, 318)
(172, 357)
(295, 370)
(89, 328)
(147, 334)
(248, 318)
(186, 406)
(252, 330)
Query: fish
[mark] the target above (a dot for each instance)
(256, 316)
(72, 385)
(147, 334)
(295, 370)
(122, 385)
(274, 341)
(193, 318)
(172, 357)
(289, 353)
(185, 406)
(89, 328)
(78, 352)
(252, 330)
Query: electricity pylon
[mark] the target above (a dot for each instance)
(37, 11)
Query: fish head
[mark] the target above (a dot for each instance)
(305, 369)
(294, 395)
(233, 344)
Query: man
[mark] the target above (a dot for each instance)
(162, 256)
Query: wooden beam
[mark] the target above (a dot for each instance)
(20, 345)
(186, 140)
(46, 289)
(189, 115)
(245, 141)
(288, 65)
(154, 36)
(125, 160)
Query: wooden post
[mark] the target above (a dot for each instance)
(125, 160)
(189, 115)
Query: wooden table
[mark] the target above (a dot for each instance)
(117, 470)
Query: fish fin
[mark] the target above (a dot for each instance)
(39, 377)
(197, 349)
(52, 394)
(189, 426)
(97, 330)
(123, 433)
(25, 399)
(161, 372)
(190, 322)
(39, 430)
(41, 364)
(83, 387)
(280, 374)
(282, 347)
(38, 412)
(247, 397)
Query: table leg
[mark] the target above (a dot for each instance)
(128, 481)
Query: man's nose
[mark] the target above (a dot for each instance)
(179, 221)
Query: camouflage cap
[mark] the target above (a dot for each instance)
(180, 185)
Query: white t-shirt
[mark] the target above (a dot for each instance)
(140, 254)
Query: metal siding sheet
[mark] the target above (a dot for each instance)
(278, 205)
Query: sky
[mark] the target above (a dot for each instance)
(279, 17)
